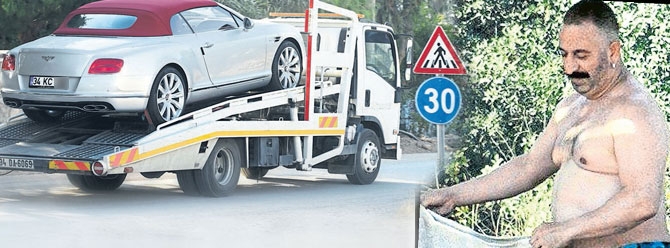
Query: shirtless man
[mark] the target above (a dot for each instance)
(607, 143)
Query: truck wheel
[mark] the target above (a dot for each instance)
(186, 181)
(77, 181)
(286, 67)
(152, 175)
(255, 172)
(221, 173)
(168, 96)
(367, 159)
(96, 183)
(41, 115)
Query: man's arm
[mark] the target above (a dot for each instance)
(641, 148)
(517, 175)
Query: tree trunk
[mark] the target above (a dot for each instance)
(399, 14)
(371, 4)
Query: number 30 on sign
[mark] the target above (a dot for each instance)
(438, 100)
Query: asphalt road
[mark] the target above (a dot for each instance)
(288, 208)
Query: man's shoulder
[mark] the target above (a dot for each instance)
(636, 117)
(639, 108)
(637, 101)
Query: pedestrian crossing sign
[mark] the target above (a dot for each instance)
(439, 56)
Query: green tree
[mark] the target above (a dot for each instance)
(26, 20)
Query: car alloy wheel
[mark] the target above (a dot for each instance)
(286, 67)
(170, 98)
(289, 67)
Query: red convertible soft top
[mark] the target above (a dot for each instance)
(153, 16)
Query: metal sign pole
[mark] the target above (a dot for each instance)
(440, 148)
(440, 152)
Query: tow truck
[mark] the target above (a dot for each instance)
(345, 119)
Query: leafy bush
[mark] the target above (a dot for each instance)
(24, 21)
(510, 49)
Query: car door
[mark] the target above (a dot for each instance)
(191, 59)
(232, 54)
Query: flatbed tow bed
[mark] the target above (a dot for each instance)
(42, 147)
(345, 118)
(78, 136)
(80, 139)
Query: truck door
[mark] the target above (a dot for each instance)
(378, 81)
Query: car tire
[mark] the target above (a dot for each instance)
(367, 159)
(286, 67)
(96, 183)
(41, 115)
(168, 96)
(255, 172)
(221, 172)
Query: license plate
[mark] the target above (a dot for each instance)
(14, 163)
(42, 82)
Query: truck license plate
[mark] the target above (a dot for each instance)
(13, 163)
(42, 82)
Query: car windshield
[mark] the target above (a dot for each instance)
(101, 21)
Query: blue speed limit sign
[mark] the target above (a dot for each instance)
(438, 100)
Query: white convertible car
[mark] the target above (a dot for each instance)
(156, 56)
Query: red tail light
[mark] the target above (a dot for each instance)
(104, 66)
(9, 63)
(98, 169)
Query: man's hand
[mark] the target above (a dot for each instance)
(550, 235)
(438, 200)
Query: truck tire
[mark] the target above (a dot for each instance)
(152, 175)
(367, 159)
(96, 183)
(286, 67)
(255, 172)
(186, 181)
(221, 172)
(41, 115)
(168, 96)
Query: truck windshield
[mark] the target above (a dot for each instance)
(380, 55)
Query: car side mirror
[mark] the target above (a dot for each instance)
(248, 24)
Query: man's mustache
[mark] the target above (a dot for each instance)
(578, 74)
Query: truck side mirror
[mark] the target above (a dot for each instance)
(248, 24)
(408, 56)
